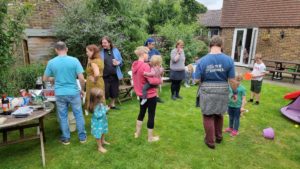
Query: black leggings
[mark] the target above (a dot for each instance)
(175, 87)
(151, 105)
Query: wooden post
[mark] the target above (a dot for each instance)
(4, 136)
(21, 132)
(42, 141)
(42, 129)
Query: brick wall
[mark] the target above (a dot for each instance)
(277, 48)
(44, 14)
(270, 44)
(227, 34)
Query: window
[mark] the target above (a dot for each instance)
(213, 31)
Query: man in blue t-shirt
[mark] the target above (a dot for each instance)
(214, 71)
(65, 70)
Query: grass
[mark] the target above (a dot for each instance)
(179, 125)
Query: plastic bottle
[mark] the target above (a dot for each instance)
(39, 83)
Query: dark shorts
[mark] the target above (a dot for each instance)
(256, 86)
(111, 86)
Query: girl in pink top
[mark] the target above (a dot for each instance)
(156, 71)
(139, 80)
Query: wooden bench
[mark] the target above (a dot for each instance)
(294, 74)
(125, 89)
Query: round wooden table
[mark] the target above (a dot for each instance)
(34, 120)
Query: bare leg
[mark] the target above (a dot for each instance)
(251, 95)
(100, 146)
(103, 141)
(257, 96)
(112, 102)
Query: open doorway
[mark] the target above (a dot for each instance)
(244, 45)
(26, 52)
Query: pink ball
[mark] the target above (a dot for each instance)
(269, 133)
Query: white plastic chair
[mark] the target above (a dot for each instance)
(131, 82)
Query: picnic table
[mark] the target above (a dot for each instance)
(36, 119)
(282, 66)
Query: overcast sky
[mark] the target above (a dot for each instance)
(212, 4)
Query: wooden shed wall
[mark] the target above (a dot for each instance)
(40, 49)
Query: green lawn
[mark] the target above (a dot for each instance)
(179, 125)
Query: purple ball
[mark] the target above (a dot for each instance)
(269, 133)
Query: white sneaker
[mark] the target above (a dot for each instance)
(186, 85)
(86, 112)
(143, 101)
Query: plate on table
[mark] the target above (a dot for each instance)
(36, 107)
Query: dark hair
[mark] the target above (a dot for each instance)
(108, 40)
(96, 97)
(95, 51)
(216, 41)
(60, 45)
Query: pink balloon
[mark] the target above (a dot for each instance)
(269, 133)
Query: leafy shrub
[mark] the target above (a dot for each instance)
(173, 32)
(23, 77)
(85, 22)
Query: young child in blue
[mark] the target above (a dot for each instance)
(236, 105)
(99, 125)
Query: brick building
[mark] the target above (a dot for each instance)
(37, 45)
(212, 20)
(268, 27)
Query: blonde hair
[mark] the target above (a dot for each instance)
(156, 60)
(96, 97)
(239, 77)
(258, 56)
(190, 68)
(139, 51)
(179, 42)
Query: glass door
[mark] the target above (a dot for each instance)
(244, 46)
(253, 46)
(238, 45)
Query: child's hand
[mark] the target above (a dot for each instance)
(234, 97)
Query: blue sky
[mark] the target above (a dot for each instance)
(212, 4)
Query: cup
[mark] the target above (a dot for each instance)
(46, 104)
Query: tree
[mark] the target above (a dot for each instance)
(187, 33)
(160, 12)
(85, 22)
(11, 31)
(190, 10)
(108, 7)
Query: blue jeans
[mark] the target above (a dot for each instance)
(62, 104)
(234, 117)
